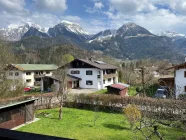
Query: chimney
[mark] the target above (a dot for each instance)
(91, 59)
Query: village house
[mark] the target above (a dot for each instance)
(91, 74)
(179, 79)
(30, 74)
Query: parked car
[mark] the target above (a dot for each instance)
(161, 93)
(27, 89)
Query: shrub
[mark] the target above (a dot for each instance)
(182, 97)
(132, 113)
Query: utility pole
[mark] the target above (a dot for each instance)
(143, 82)
(141, 69)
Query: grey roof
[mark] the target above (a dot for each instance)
(98, 65)
(16, 103)
(69, 77)
(72, 77)
(35, 67)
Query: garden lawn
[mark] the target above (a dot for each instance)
(102, 91)
(79, 124)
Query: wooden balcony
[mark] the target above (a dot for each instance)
(110, 75)
(38, 75)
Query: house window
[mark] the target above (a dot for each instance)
(47, 72)
(89, 83)
(185, 74)
(28, 80)
(99, 76)
(185, 88)
(17, 74)
(88, 72)
(103, 81)
(75, 72)
(28, 73)
(109, 79)
(10, 73)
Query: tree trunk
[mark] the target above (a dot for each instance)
(60, 109)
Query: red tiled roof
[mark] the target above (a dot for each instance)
(118, 86)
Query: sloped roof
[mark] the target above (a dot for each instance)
(120, 86)
(69, 77)
(16, 103)
(183, 65)
(98, 65)
(35, 67)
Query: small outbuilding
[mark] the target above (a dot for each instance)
(16, 113)
(118, 89)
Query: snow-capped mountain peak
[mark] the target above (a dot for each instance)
(172, 34)
(103, 35)
(131, 29)
(74, 27)
(15, 32)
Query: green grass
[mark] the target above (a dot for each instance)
(79, 124)
(102, 91)
(132, 90)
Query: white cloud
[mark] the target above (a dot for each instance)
(54, 6)
(71, 18)
(12, 6)
(132, 6)
(98, 5)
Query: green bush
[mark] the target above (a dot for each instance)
(182, 97)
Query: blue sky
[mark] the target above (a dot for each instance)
(97, 15)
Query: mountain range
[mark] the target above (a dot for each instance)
(130, 41)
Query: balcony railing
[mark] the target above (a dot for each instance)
(110, 75)
(38, 75)
(37, 83)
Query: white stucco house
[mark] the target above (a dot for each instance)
(179, 78)
(91, 74)
(29, 74)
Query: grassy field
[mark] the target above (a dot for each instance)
(79, 124)
(102, 91)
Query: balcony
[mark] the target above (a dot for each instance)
(37, 83)
(38, 75)
(110, 75)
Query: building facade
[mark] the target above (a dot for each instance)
(93, 74)
(179, 79)
(29, 74)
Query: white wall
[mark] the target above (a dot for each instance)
(107, 82)
(180, 81)
(22, 76)
(84, 77)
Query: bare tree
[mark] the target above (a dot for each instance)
(63, 84)
(8, 86)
